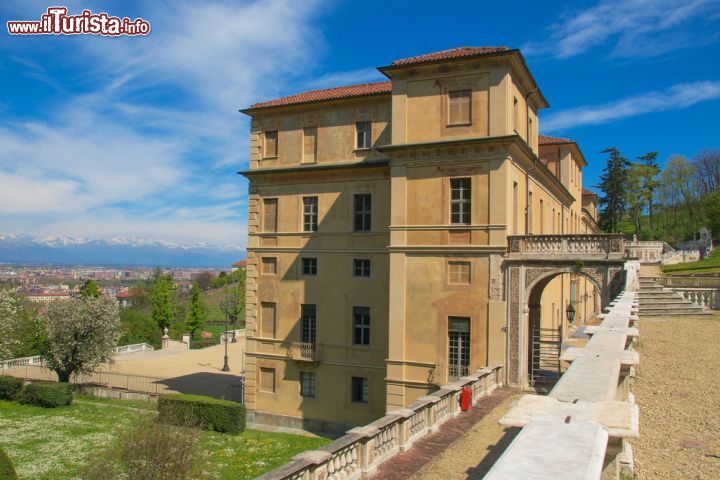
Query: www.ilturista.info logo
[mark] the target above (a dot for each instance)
(57, 22)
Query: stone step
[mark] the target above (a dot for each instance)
(673, 313)
(670, 309)
(669, 301)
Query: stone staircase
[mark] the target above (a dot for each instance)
(656, 300)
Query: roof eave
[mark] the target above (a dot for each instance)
(250, 110)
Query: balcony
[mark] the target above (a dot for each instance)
(304, 352)
(566, 247)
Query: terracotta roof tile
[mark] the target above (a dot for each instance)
(337, 93)
(458, 52)
(240, 263)
(585, 191)
(548, 140)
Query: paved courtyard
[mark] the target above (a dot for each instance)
(678, 389)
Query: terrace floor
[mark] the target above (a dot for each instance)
(677, 387)
(445, 453)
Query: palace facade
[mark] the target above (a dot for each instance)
(379, 217)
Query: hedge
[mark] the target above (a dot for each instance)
(203, 343)
(211, 413)
(47, 394)
(10, 387)
(7, 471)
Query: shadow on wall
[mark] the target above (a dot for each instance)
(319, 283)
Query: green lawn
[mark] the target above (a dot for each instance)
(708, 265)
(53, 444)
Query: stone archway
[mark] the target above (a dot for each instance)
(522, 277)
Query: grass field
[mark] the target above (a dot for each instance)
(708, 265)
(54, 444)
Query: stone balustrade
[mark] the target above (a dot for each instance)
(568, 245)
(707, 298)
(137, 347)
(706, 281)
(580, 429)
(38, 361)
(362, 450)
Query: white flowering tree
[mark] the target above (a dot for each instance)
(10, 313)
(79, 334)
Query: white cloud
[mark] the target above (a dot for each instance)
(637, 28)
(674, 98)
(151, 146)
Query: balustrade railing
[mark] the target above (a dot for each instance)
(306, 351)
(362, 450)
(596, 244)
(707, 298)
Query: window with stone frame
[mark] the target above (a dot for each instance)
(270, 214)
(307, 384)
(459, 107)
(267, 379)
(364, 134)
(459, 272)
(310, 214)
(271, 144)
(460, 201)
(269, 265)
(359, 389)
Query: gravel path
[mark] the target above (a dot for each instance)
(677, 386)
(472, 455)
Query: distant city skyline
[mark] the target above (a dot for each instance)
(141, 136)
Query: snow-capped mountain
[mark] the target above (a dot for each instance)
(120, 251)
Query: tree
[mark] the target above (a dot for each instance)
(198, 313)
(711, 205)
(10, 316)
(78, 334)
(162, 300)
(205, 280)
(679, 173)
(613, 183)
(233, 304)
(707, 169)
(649, 180)
(90, 289)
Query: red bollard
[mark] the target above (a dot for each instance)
(466, 399)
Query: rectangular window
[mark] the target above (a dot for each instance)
(271, 144)
(267, 379)
(270, 211)
(364, 134)
(310, 144)
(459, 272)
(459, 107)
(458, 347)
(361, 326)
(542, 217)
(529, 214)
(515, 114)
(361, 267)
(267, 318)
(363, 210)
(460, 202)
(359, 389)
(307, 323)
(269, 265)
(307, 384)
(309, 266)
(310, 214)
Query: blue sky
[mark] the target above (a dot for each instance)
(140, 136)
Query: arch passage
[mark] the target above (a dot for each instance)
(526, 283)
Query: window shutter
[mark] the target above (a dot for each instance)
(268, 320)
